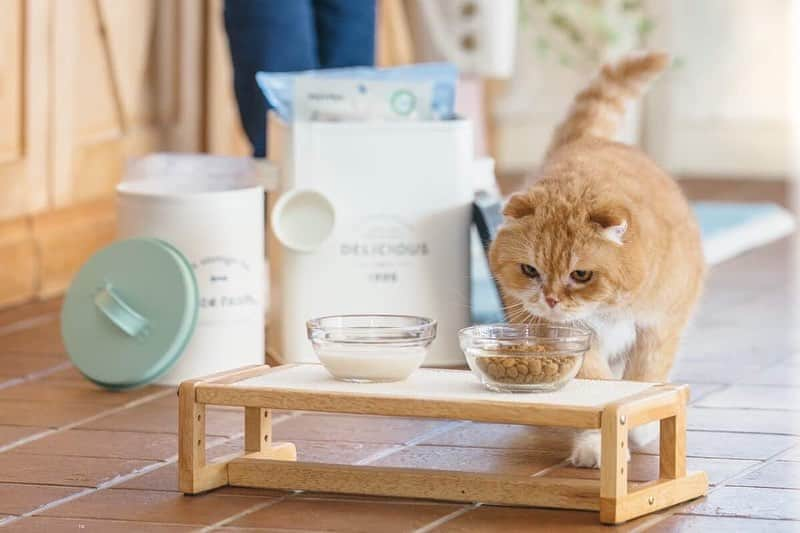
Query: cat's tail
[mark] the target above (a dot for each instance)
(598, 109)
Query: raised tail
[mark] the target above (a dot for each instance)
(598, 109)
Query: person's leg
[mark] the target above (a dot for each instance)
(345, 32)
(272, 36)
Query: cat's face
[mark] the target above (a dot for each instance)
(562, 262)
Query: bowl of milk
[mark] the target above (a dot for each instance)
(371, 348)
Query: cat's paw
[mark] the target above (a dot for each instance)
(643, 435)
(586, 450)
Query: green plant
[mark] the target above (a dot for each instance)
(584, 33)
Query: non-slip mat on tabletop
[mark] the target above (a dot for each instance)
(433, 384)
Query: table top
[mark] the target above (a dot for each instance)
(433, 393)
(440, 384)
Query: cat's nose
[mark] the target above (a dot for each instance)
(551, 301)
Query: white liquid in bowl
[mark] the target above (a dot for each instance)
(370, 363)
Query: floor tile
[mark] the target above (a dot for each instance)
(44, 309)
(732, 445)
(9, 434)
(720, 524)
(522, 462)
(45, 524)
(744, 420)
(156, 417)
(712, 371)
(52, 415)
(69, 374)
(154, 506)
(782, 374)
(54, 470)
(791, 455)
(18, 498)
(645, 468)
(700, 390)
(352, 428)
(319, 451)
(45, 390)
(164, 478)
(346, 515)
(505, 436)
(780, 474)
(524, 520)
(780, 504)
(17, 365)
(41, 339)
(343, 452)
(100, 443)
(754, 397)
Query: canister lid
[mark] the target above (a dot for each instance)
(130, 312)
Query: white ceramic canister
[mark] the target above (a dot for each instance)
(212, 210)
(370, 217)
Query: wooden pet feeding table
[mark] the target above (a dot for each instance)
(613, 407)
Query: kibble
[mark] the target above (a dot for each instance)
(503, 366)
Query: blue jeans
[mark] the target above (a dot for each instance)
(292, 35)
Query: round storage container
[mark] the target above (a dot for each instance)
(211, 211)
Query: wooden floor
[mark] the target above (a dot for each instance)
(75, 457)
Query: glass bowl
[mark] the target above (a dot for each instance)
(371, 348)
(523, 357)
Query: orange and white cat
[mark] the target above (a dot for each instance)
(604, 236)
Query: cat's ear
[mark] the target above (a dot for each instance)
(519, 204)
(612, 222)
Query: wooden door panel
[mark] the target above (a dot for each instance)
(23, 107)
(11, 35)
(117, 95)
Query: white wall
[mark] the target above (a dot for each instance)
(725, 112)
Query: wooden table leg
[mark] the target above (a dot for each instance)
(194, 474)
(258, 437)
(613, 464)
(672, 446)
(674, 485)
(257, 429)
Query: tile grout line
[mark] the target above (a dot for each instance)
(90, 490)
(72, 425)
(382, 454)
(28, 323)
(33, 376)
(673, 511)
(242, 514)
(120, 479)
(447, 518)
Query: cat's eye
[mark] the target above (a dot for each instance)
(529, 271)
(581, 276)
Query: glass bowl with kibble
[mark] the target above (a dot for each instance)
(524, 357)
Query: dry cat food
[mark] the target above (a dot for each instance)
(504, 367)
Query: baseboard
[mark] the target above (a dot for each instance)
(18, 259)
(42, 252)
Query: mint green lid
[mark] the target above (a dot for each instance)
(130, 312)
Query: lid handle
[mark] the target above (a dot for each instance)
(120, 313)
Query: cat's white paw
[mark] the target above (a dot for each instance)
(586, 450)
(643, 435)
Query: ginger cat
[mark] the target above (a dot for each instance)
(604, 236)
